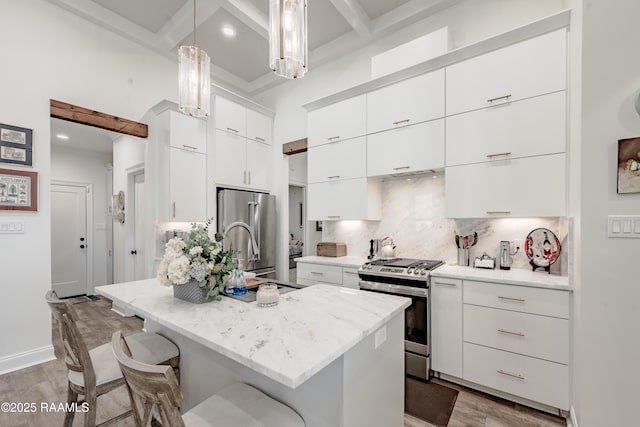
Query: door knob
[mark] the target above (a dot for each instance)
(81, 246)
(82, 239)
(134, 252)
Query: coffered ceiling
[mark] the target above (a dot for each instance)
(241, 62)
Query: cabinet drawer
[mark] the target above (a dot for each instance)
(350, 278)
(528, 377)
(527, 334)
(342, 120)
(510, 130)
(522, 70)
(406, 149)
(339, 160)
(331, 274)
(545, 302)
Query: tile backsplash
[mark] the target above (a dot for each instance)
(413, 215)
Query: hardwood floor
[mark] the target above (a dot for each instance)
(46, 383)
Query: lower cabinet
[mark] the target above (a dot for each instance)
(446, 330)
(312, 273)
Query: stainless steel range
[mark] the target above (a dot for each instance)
(407, 277)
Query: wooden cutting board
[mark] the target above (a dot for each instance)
(254, 283)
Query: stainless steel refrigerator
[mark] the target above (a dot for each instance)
(248, 222)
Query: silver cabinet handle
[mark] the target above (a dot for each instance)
(504, 331)
(520, 377)
(333, 216)
(260, 139)
(333, 138)
(401, 167)
(174, 209)
(190, 146)
(491, 156)
(333, 177)
(233, 130)
(498, 212)
(511, 298)
(249, 177)
(350, 272)
(506, 97)
(402, 121)
(318, 273)
(445, 283)
(244, 177)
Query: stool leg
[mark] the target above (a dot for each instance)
(72, 396)
(90, 415)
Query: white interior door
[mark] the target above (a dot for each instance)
(69, 240)
(138, 223)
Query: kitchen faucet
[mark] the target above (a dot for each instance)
(254, 245)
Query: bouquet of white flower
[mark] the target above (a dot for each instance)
(198, 258)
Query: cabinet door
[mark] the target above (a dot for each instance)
(343, 200)
(258, 165)
(406, 103)
(188, 133)
(528, 187)
(259, 127)
(230, 117)
(338, 160)
(187, 185)
(532, 67)
(339, 121)
(350, 278)
(231, 158)
(406, 149)
(446, 326)
(524, 128)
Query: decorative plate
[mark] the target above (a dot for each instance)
(542, 247)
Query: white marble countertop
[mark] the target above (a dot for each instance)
(515, 276)
(342, 261)
(289, 343)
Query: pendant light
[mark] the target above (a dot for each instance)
(194, 77)
(288, 50)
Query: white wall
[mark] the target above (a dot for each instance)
(468, 21)
(48, 53)
(607, 350)
(89, 168)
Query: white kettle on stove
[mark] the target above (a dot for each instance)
(388, 250)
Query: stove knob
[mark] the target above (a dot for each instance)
(416, 271)
(423, 272)
(409, 270)
(369, 267)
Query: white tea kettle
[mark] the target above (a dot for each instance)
(388, 249)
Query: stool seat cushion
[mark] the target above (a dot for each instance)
(240, 405)
(146, 347)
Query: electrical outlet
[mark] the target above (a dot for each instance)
(517, 243)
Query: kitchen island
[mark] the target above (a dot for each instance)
(334, 355)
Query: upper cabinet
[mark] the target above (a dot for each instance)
(339, 160)
(187, 133)
(406, 103)
(342, 120)
(259, 127)
(529, 68)
(230, 117)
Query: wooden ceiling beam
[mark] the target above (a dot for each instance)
(73, 113)
(295, 147)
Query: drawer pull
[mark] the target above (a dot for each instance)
(233, 130)
(317, 272)
(507, 153)
(190, 146)
(260, 139)
(401, 167)
(350, 272)
(333, 138)
(498, 212)
(445, 283)
(520, 377)
(333, 177)
(511, 298)
(506, 97)
(504, 331)
(402, 121)
(333, 216)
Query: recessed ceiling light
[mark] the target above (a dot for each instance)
(62, 136)
(228, 31)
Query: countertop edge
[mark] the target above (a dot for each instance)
(525, 277)
(345, 261)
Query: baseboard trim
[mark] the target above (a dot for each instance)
(573, 419)
(25, 359)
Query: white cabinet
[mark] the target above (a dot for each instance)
(338, 160)
(259, 127)
(406, 103)
(406, 149)
(350, 278)
(344, 200)
(530, 127)
(187, 132)
(308, 273)
(446, 329)
(529, 68)
(342, 120)
(187, 185)
(241, 162)
(526, 187)
(230, 117)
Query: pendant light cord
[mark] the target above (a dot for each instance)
(194, 23)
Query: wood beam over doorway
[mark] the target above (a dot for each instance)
(295, 147)
(73, 113)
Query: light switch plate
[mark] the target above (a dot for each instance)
(12, 227)
(623, 226)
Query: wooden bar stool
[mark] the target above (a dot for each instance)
(155, 387)
(95, 372)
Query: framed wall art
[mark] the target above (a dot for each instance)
(629, 165)
(18, 190)
(16, 145)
